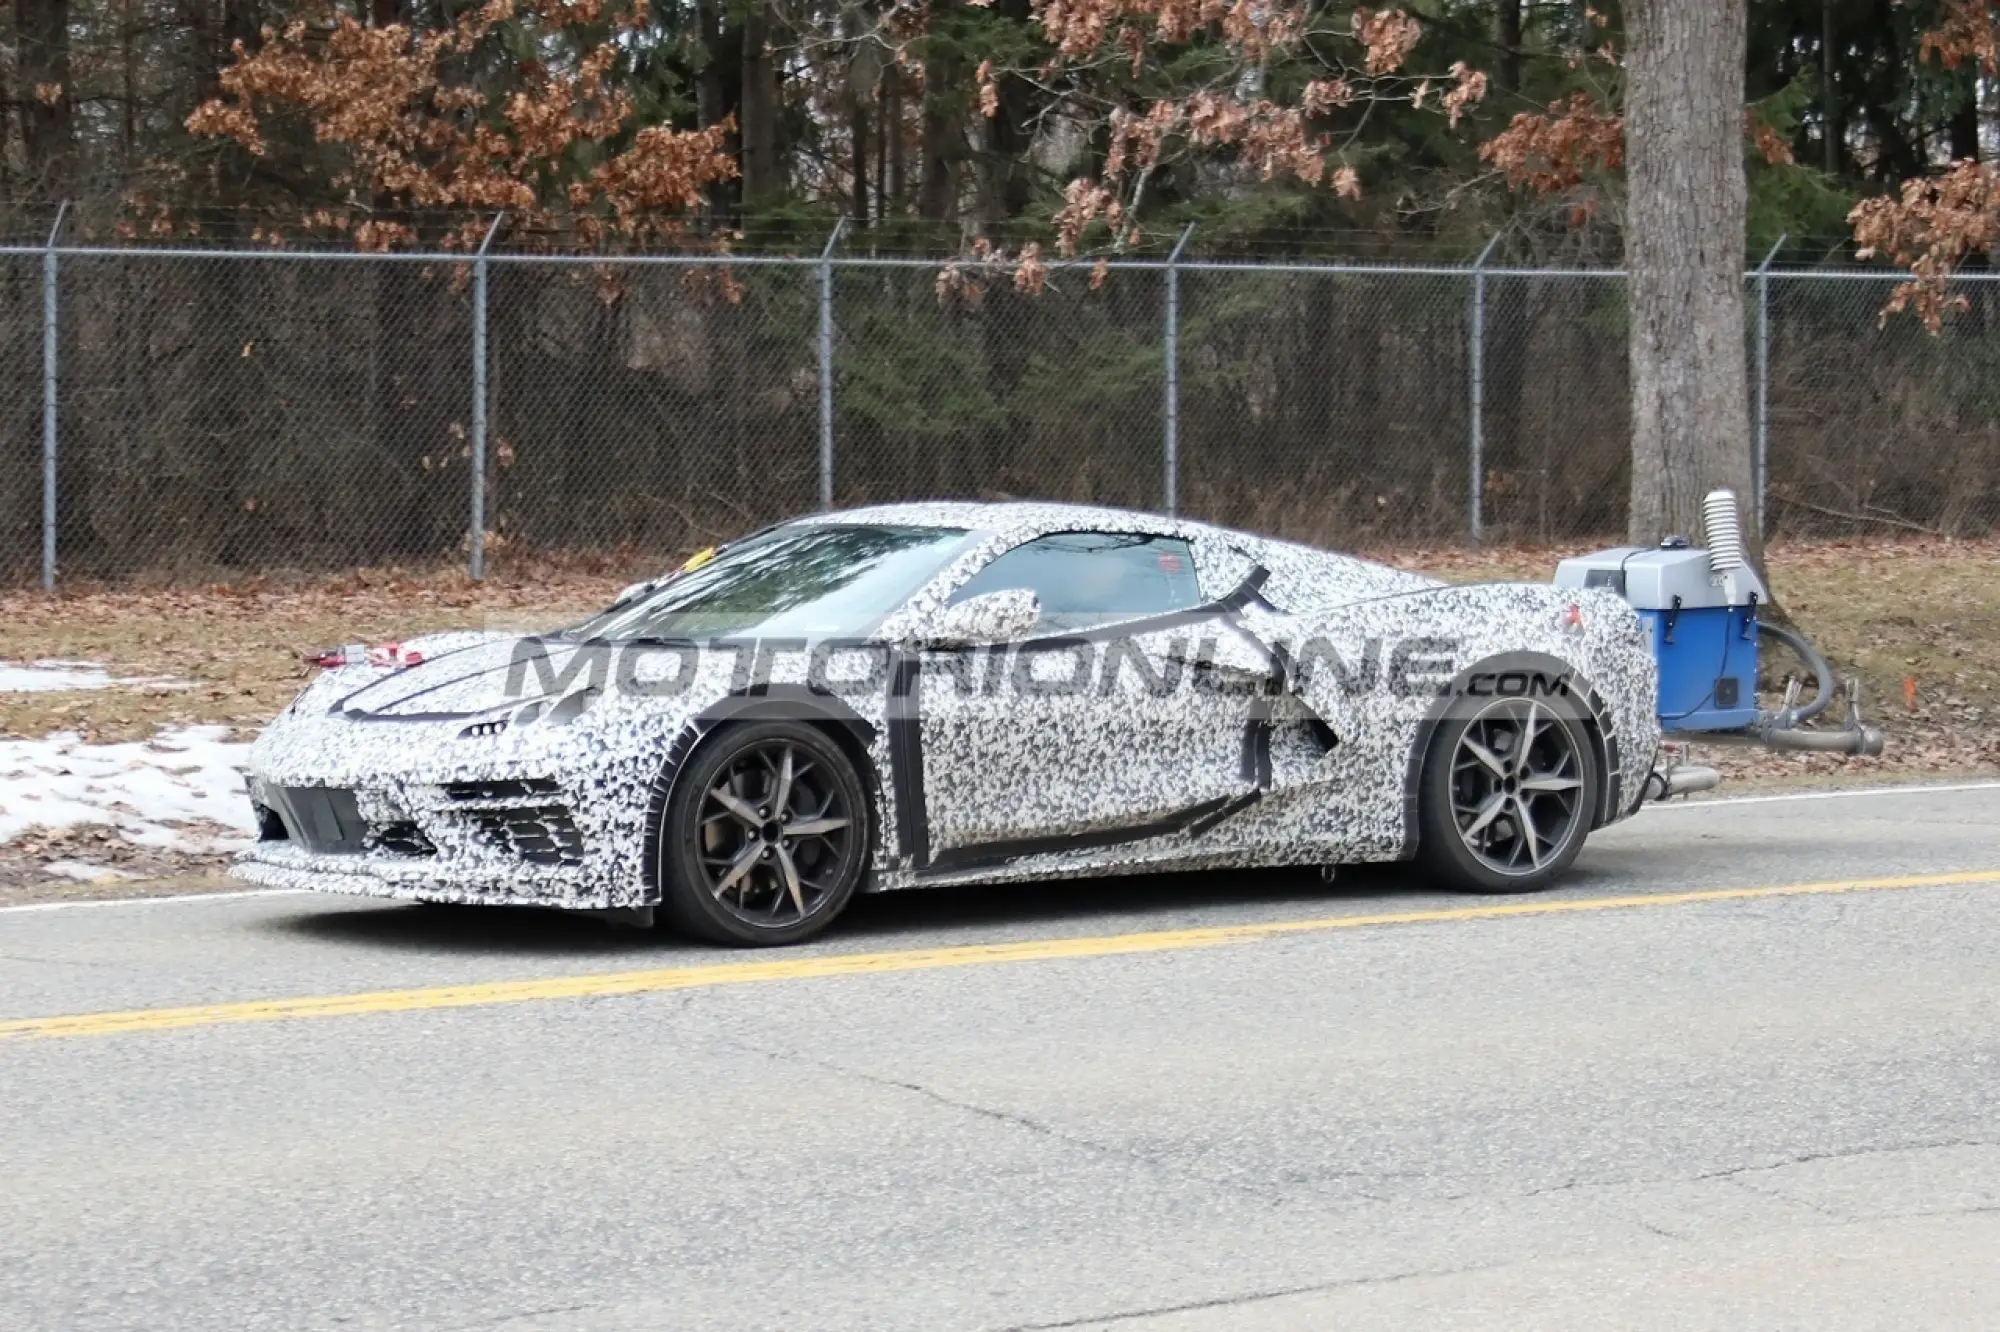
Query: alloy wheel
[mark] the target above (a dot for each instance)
(775, 836)
(1517, 786)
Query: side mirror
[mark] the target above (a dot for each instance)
(633, 592)
(993, 617)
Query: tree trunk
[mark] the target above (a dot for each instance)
(42, 65)
(892, 122)
(242, 21)
(1005, 184)
(760, 110)
(1964, 128)
(886, 94)
(864, 73)
(1833, 129)
(1684, 240)
(943, 136)
(717, 91)
(1507, 36)
(1901, 152)
(857, 118)
(128, 110)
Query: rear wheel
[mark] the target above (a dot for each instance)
(766, 836)
(1509, 793)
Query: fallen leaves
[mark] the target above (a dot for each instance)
(239, 643)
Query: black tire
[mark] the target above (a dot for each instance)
(1488, 822)
(737, 870)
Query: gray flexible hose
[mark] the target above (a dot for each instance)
(1784, 720)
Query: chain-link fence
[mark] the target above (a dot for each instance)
(224, 411)
(1880, 426)
(21, 431)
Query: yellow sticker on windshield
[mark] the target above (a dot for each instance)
(699, 558)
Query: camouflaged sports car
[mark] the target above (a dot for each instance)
(937, 693)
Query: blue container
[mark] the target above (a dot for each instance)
(1708, 666)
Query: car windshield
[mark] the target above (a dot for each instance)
(801, 580)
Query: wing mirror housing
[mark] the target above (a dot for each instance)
(992, 617)
(635, 591)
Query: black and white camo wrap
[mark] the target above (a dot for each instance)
(1317, 767)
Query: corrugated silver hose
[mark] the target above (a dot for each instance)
(1724, 526)
(1779, 730)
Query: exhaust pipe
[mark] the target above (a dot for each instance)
(1683, 779)
(1864, 741)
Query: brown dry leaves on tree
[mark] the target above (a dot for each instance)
(1769, 142)
(1270, 140)
(1584, 136)
(968, 280)
(1547, 153)
(1930, 228)
(417, 130)
(1936, 222)
(1966, 31)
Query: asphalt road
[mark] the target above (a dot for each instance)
(1739, 1110)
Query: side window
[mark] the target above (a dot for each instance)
(1085, 579)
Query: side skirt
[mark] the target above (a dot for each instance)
(1194, 821)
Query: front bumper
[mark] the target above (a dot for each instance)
(510, 841)
(281, 865)
(412, 807)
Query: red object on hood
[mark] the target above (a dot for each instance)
(356, 654)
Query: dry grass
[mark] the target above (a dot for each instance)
(1925, 612)
(238, 645)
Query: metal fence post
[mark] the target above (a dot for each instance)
(1761, 465)
(477, 566)
(1172, 434)
(826, 366)
(1476, 362)
(49, 402)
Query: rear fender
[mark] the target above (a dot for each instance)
(1322, 676)
(1514, 675)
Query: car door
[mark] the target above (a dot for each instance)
(1102, 726)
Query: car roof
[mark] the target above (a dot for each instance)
(1018, 516)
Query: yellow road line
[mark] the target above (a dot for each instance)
(916, 959)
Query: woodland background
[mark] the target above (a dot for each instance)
(228, 414)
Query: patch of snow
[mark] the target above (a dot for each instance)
(84, 872)
(44, 677)
(49, 676)
(141, 788)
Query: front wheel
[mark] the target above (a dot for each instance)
(1508, 796)
(766, 836)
